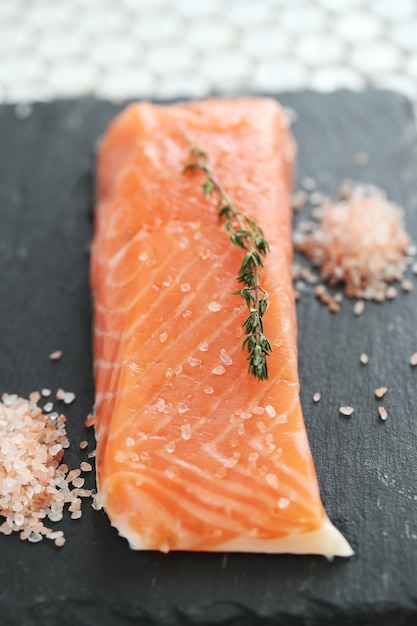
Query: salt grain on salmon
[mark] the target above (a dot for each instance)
(346, 410)
(380, 392)
(176, 506)
(55, 356)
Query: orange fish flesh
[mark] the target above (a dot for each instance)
(193, 453)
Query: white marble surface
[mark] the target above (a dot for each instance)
(165, 48)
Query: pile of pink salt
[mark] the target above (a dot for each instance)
(359, 241)
(34, 483)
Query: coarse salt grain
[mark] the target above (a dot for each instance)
(359, 307)
(317, 397)
(48, 407)
(407, 285)
(55, 356)
(219, 370)
(69, 397)
(359, 241)
(46, 392)
(186, 432)
(382, 413)
(346, 410)
(413, 359)
(33, 485)
(364, 359)
(380, 392)
(214, 306)
(163, 337)
(225, 357)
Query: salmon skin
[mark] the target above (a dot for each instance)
(193, 453)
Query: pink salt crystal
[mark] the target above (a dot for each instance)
(55, 356)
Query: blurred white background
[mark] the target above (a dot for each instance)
(168, 48)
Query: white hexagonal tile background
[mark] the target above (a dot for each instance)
(126, 48)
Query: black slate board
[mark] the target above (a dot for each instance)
(367, 470)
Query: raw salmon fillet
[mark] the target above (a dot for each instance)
(194, 453)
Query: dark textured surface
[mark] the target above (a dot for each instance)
(367, 470)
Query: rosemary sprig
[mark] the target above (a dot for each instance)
(244, 233)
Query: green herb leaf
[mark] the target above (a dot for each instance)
(246, 234)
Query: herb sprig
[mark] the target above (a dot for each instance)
(244, 233)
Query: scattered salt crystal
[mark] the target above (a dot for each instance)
(317, 397)
(407, 285)
(308, 183)
(46, 392)
(208, 390)
(316, 197)
(35, 537)
(160, 405)
(91, 454)
(60, 394)
(163, 337)
(76, 514)
(193, 361)
(382, 413)
(59, 542)
(185, 287)
(414, 268)
(83, 445)
(380, 392)
(144, 256)
(225, 357)
(69, 397)
(364, 359)
(413, 359)
(271, 412)
(48, 407)
(53, 450)
(55, 356)
(283, 503)
(203, 347)
(346, 410)
(391, 293)
(359, 307)
(186, 432)
(178, 369)
(182, 408)
(170, 447)
(35, 396)
(129, 441)
(219, 370)
(214, 306)
(78, 482)
(97, 503)
(272, 480)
